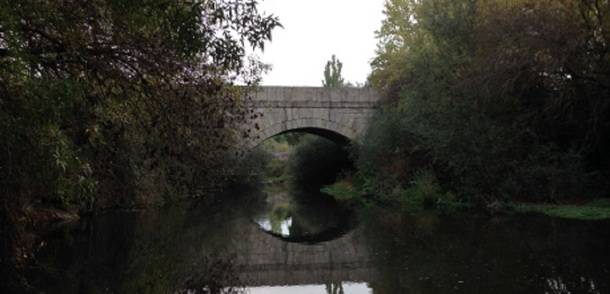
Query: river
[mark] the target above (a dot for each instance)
(282, 241)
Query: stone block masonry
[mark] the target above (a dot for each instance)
(335, 113)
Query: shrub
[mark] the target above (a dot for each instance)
(317, 161)
(506, 99)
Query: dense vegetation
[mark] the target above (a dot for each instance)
(332, 74)
(317, 161)
(118, 104)
(304, 161)
(496, 100)
(121, 103)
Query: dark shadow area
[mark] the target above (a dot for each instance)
(316, 162)
(306, 158)
(185, 248)
(217, 249)
(301, 162)
(324, 133)
(429, 254)
(309, 217)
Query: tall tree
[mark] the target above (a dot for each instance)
(120, 95)
(111, 103)
(508, 98)
(332, 74)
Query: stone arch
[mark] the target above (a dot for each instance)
(323, 127)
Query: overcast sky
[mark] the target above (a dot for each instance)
(313, 31)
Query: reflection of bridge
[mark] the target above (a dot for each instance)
(338, 113)
(267, 261)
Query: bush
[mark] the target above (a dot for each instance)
(425, 193)
(317, 161)
(343, 191)
(389, 155)
(83, 124)
(482, 89)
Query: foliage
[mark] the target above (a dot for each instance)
(276, 171)
(389, 154)
(425, 192)
(277, 148)
(503, 99)
(343, 191)
(103, 99)
(332, 74)
(249, 170)
(291, 139)
(317, 161)
(594, 210)
(277, 144)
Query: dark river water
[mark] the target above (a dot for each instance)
(282, 241)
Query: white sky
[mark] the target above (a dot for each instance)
(313, 31)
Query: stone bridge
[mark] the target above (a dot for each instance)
(339, 114)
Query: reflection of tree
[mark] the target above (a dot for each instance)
(558, 286)
(427, 254)
(309, 212)
(334, 287)
(212, 276)
(13, 254)
(173, 250)
(305, 216)
(279, 215)
(314, 212)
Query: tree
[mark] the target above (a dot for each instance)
(121, 98)
(332, 74)
(117, 103)
(507, 98)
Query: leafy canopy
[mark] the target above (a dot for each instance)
(108, 95)
(332, 73)
(507, 98)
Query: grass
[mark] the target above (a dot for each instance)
(277, 180)
(275, 188)
(342, 191)
(276, 146)
(595, 210)
(424, 195)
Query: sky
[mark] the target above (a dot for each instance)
(313, 31)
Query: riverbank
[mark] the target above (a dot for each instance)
(175, 249)
(425, 195)
(42, 216)
(598, 209)
(414, 200)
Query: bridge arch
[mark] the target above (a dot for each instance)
(339, 114)
(325, 128)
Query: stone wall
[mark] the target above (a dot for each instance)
(268, 261)
(344, 111)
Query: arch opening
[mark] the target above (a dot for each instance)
(297, 167)
(328, 129)
(333, 136)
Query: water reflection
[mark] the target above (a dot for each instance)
(558, 286)
(303, 216)
(185, 249)
(219, 249)
(278, 226)
(428, 254)
(341, 288)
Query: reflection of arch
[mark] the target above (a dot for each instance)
(328, 129)
(327, 235)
